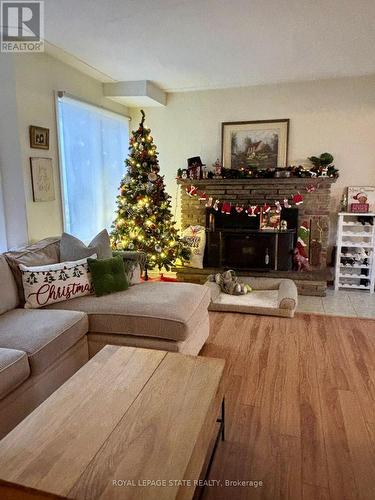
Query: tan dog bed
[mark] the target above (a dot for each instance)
(270, 297)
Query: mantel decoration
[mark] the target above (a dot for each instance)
(322, 166)
(260, 144)
(228, 208)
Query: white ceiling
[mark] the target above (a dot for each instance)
(199, 44)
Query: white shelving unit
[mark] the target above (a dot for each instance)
(355, 267)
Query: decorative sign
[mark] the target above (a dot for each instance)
(361, 196)
(42, 179)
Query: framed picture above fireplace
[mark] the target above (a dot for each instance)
(255, 144)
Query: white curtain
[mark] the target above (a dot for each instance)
(93, 146)
(3, 236)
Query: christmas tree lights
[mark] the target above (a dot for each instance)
(144, 219)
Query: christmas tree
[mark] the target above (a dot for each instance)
(144, 219)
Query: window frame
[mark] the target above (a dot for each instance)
(59, 95)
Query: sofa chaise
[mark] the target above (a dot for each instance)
(41, 348)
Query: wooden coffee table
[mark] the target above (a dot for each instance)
(132, 423)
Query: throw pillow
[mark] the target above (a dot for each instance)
(38, 254)
(71, 248)
(108, 275)
(134, 263)
(44, 285)
(195, 237)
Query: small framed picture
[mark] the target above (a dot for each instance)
(270, 221)
(39, 137)
(42, 179)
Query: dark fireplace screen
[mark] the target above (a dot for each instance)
(237, 242)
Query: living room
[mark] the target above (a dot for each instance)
(187, 203)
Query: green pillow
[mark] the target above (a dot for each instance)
(108, 275)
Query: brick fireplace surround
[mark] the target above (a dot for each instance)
(314, 211)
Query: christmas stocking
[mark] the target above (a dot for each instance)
(266, 208)
(252, 210)
(226, 208)
(278, 206)
(202, 196)
(191, 190)
(216, 205)
(209, 202)
(239, 208)
(298, 199)
(286, 203)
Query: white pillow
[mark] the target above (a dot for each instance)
(195, 237)
(135, 275)
(44, 285)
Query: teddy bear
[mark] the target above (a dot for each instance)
(229, 283)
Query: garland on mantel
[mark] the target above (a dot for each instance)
(251, 210)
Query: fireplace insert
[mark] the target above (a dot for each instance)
(236, 241)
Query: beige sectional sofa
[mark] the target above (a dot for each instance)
(41, 348)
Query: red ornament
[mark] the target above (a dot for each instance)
(298, 199)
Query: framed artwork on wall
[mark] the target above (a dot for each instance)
(255, 144)
(42, 179)
(39, 137)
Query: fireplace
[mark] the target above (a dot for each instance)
(236, 241)
(313, 213)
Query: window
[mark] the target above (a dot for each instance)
(93, 146)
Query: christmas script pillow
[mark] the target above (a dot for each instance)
(195, 237)
(44, 285)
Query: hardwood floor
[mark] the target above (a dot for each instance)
(300, 407)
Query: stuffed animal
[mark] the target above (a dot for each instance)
(229, 283)
(301, 263)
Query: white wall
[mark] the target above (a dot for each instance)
(337, 116)
(12, 197)
(37, 77)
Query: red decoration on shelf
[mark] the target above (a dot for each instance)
(359, 207)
